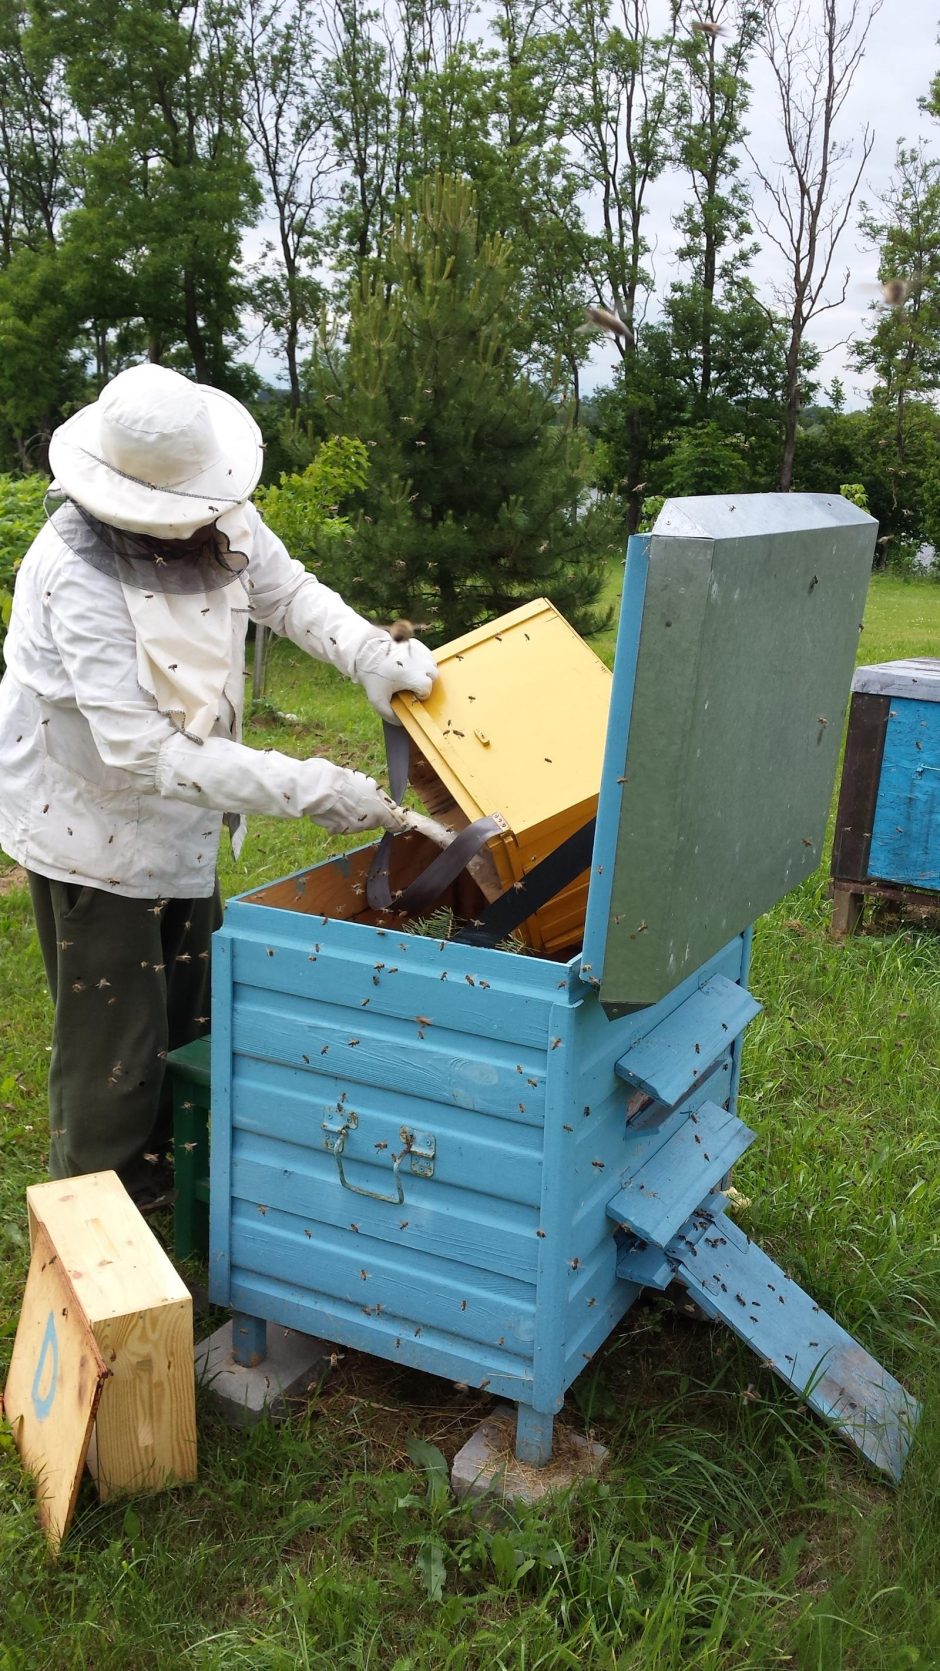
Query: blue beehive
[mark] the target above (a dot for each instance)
(471, 1161)
(887, 839)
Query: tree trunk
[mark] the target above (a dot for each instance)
(194, 337)
(791, 416)
(290, 354)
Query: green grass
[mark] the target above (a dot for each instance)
(731, 1530)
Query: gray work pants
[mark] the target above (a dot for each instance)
(130, 981)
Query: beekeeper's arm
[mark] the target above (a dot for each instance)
(284, 597)
(95, 640)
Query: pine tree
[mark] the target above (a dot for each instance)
(477, 480)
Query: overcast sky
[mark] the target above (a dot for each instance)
(900, 61)
(901, 58)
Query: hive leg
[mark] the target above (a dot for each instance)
(249, 1339)
(847, 912)
(533, 1436)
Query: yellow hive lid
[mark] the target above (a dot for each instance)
(517, 720)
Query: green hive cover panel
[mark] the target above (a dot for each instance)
(746, 645)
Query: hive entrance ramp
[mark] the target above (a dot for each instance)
(731, 1278)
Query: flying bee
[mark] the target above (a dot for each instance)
(895, 292)
(603, 319)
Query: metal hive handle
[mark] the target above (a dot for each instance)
(357, 1189)
(420, 1151)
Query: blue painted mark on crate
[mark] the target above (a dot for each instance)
(47, 1365)
(905, 841)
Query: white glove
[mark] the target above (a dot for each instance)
(384, 666)
(355, 802)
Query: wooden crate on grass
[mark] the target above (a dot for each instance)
(102, 1366)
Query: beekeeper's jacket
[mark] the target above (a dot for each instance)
(97, 786)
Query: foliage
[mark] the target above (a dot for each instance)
(703, 460)
(304, 505)
(855, 493)
(859, 447)
(140, 140)
(475, 495)
(652, 505)
(21, 517)
(903, 349)
(710, 99)
(39, 374)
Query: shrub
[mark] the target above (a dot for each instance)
(21, 517)
(307, 502)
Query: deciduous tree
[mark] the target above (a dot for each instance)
(813, 57)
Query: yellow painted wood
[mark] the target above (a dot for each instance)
(53, 1387)
(140, 1312)
(516, 725)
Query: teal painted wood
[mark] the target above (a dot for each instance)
(533, 1436)
(658, 1198)
(609, 1145)
(386, 1053)
(643, 1263)
(555, 1209)
(482, 1230)
(249, 1339)
(520, 1169)
(220, 1150)
(492, 1007)
(747, 943)
(348, 1269)
(422, 1347)
(688, 1045)
(905, 841)
(467, 1141)
(732, 1278)
(595, 1035)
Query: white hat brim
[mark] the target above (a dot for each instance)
(151, 508)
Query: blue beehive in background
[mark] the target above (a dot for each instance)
(887, 840)
(471, 1161)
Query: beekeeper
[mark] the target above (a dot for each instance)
(120, 714)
